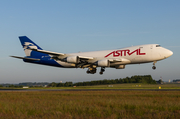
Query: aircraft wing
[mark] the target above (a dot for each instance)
(118, 60)
(49, 52)
(84, 63)
(112, 61)
(86, 58)
(56, 54)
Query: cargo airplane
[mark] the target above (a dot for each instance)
(117, 58)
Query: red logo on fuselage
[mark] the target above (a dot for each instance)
(125, 52)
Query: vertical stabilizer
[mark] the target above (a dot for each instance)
(28, 45)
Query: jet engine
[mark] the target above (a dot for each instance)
(120, 66)
(72, 59)
(103, 63)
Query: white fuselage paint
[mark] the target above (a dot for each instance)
(134, 55)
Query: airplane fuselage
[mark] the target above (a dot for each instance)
(135, 55)
(117, 58)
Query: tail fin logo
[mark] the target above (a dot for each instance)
(28, 45)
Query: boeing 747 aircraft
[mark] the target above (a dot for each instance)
(117, 58)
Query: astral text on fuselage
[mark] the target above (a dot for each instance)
(126, 52)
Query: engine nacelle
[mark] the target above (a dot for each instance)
(72, 59)
(120, 66)
(103, 63)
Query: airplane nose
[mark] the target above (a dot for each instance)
(169, 53)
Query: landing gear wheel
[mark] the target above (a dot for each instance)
(88, 72)
(91, 71)
(102, 70)
(101, 73)
(154, 67)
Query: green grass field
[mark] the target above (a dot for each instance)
(115, 86)
(121, 86)
(134, 86)
(90, 104)
(93, 104)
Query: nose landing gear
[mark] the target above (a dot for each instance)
(154, 67)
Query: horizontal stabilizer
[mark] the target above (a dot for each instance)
(25, 58)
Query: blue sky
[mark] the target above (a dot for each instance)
(73, 26)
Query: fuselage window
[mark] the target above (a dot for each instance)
(158, 46)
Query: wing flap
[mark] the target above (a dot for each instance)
(86, 58)
(118, 60)
(115, 60)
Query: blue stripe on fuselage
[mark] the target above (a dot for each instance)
(38, 55)
(44, 61)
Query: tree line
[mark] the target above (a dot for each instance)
(134, 79)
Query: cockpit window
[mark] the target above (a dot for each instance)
(158, 46)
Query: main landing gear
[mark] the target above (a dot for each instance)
(102, 70)
(154, 67)
(92, 70)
